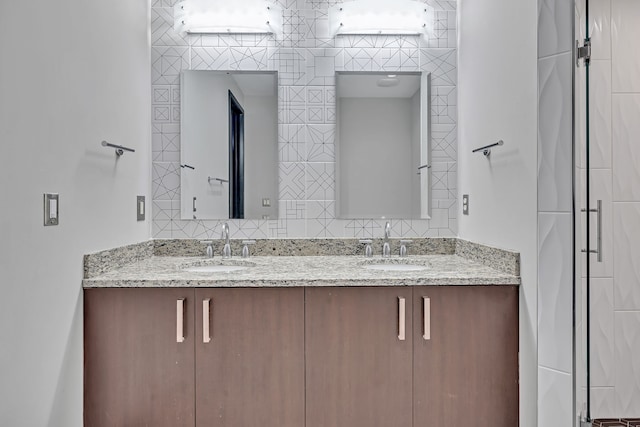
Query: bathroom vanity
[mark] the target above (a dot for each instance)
(302, 340)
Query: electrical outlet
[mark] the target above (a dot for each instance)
(266, 203)
(465, 204)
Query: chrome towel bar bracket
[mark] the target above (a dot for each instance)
(220, 180)
(486, 150)
(427, 166)
(119, 148)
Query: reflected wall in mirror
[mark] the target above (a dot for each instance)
(383, 144)
(229, 145)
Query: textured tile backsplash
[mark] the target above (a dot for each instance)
(306, 58)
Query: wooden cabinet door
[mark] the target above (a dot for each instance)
(358, 370)
(136, 373)
(250, 368)
(466, 373)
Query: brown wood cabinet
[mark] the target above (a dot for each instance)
(250, 363)
(359, 370)
(466, 372)
(302, 357)
(135, 371)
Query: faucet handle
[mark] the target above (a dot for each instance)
(209, 244)
(245, 248)
(368, 251)
(403, 247)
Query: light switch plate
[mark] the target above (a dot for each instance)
(141, 209)
(51, 209)
(465, 204)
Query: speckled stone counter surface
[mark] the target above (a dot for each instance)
(301, 262)
(112, 259)
(287, 271)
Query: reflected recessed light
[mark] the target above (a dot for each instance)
(388, 82)
(391, 76)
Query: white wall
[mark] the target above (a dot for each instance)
(375, 147)
(260, 156)
(497, 78)
(74, 73)
(417, 195)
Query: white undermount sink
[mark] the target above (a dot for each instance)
(395, 267)
(215, 268)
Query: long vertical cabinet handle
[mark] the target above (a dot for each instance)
(599, 230)
(426, 302)
(180, 320)
(401, 318)
(206, 335)
(598, 211)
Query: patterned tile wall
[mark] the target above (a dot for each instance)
(306, 58)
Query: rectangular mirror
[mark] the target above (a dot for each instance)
(229, 145)
(383, 145)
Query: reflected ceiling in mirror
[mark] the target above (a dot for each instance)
(383, 145)
(229, 145)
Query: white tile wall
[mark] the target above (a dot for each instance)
(555, 226)
(625, 33)
(554, 398)
(626, 150)
(554, 134)
(554, 33)
(306, 58)
(603, 402)
(626, 237)
(602, 333)
(600, 114)
(627, 363)
(600, 28)
(555, 253)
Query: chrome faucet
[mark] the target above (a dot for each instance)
(386, 248)
(226, 251)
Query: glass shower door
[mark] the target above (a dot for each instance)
(607, 218)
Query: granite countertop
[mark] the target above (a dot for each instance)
(288, 271)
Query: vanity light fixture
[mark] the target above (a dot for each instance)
(227, 17)
(397, 17)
